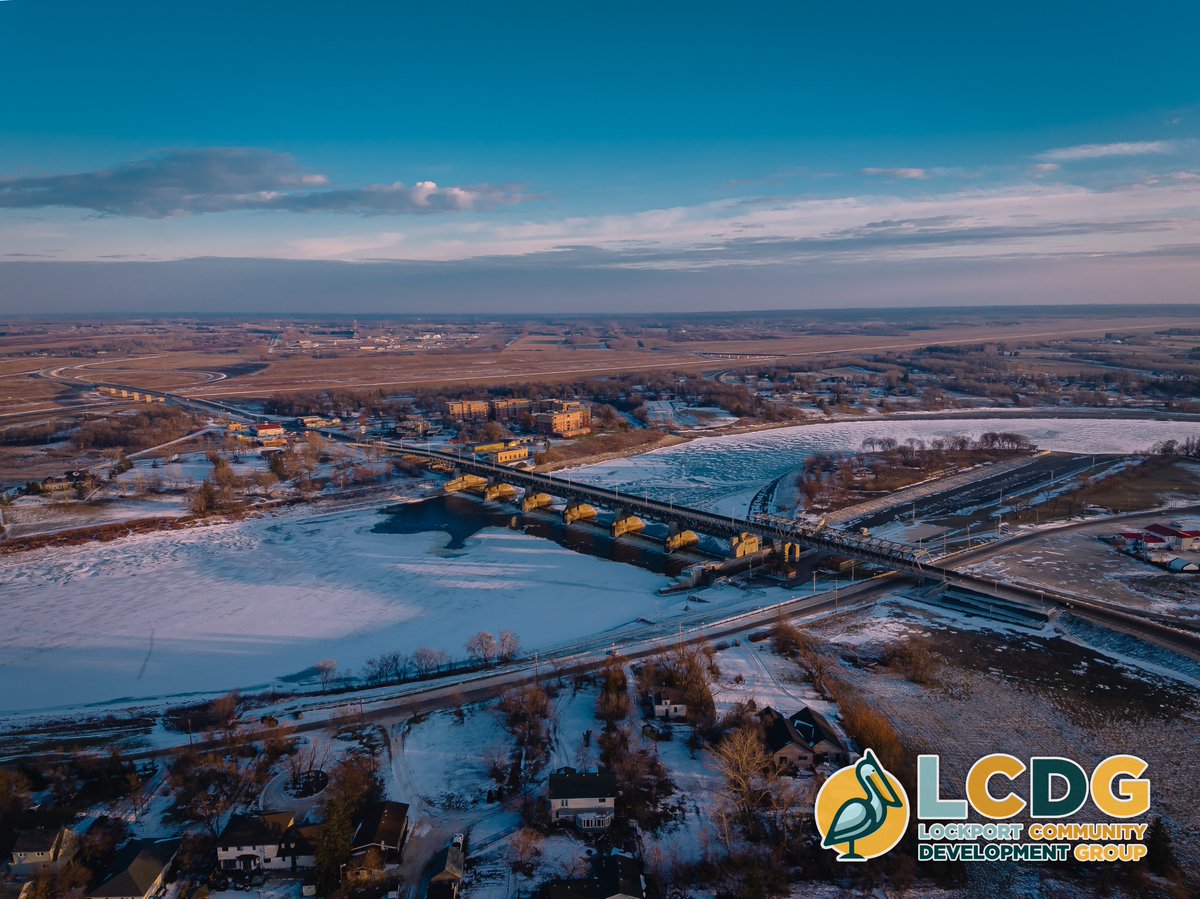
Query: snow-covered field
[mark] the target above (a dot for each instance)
(707, 470)
(236, 605)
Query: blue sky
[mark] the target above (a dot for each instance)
(667, 155)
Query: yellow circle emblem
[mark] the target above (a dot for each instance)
(862, 810)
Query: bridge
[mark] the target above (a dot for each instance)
(786, 533)
(779, 531)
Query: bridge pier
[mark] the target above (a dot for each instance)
(676, 542)
(465, 482)
(579, 512)
(746, 544)
(628, 525)
(536, 501)
(499, 491)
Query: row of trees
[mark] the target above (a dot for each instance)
(483, 649)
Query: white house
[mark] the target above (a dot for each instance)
(585, 799)
(668, 704)
(36, 851)
(268, 842)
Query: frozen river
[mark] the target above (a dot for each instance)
(722, 473)
(250, 602)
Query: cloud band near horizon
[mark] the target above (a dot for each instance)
(223, 179)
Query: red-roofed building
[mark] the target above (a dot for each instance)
(1174, 537)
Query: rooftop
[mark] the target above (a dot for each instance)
(567, 783)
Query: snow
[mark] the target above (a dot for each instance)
(707, 470)
(241, 604)
(40, 515)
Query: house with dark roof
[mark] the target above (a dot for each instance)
(139, 870)
(667, 703)
(44, 849)
(272, 841)
(612, 877)
(586, 799)
(379, 839)
(803, 739)
(447, 867)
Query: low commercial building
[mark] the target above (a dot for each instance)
(1176, 538)
(268, 430)
(511, 454)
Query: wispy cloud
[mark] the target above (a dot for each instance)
(913, 174)
(220, 179)
(1104, 151)
(1031, 220)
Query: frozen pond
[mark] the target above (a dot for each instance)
(710, 471)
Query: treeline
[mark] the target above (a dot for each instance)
(139, 431)
(1189, 446)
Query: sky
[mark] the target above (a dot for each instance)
(406, 157)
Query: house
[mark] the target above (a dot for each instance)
(827, 745)
(612, 877)
(268, 842)
(586, 799)
(379, 839)
(448, 873)
(803, 739)
(36, 851)
(138, 871)
(667, 703)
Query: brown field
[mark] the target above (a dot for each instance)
(533, 357)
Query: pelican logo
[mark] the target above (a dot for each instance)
(861, 811)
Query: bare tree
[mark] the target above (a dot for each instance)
(509, 646)
(427, 660)
(482, 647)
(307, 757)
(326, 669)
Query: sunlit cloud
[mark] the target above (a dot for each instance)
(224, 179)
